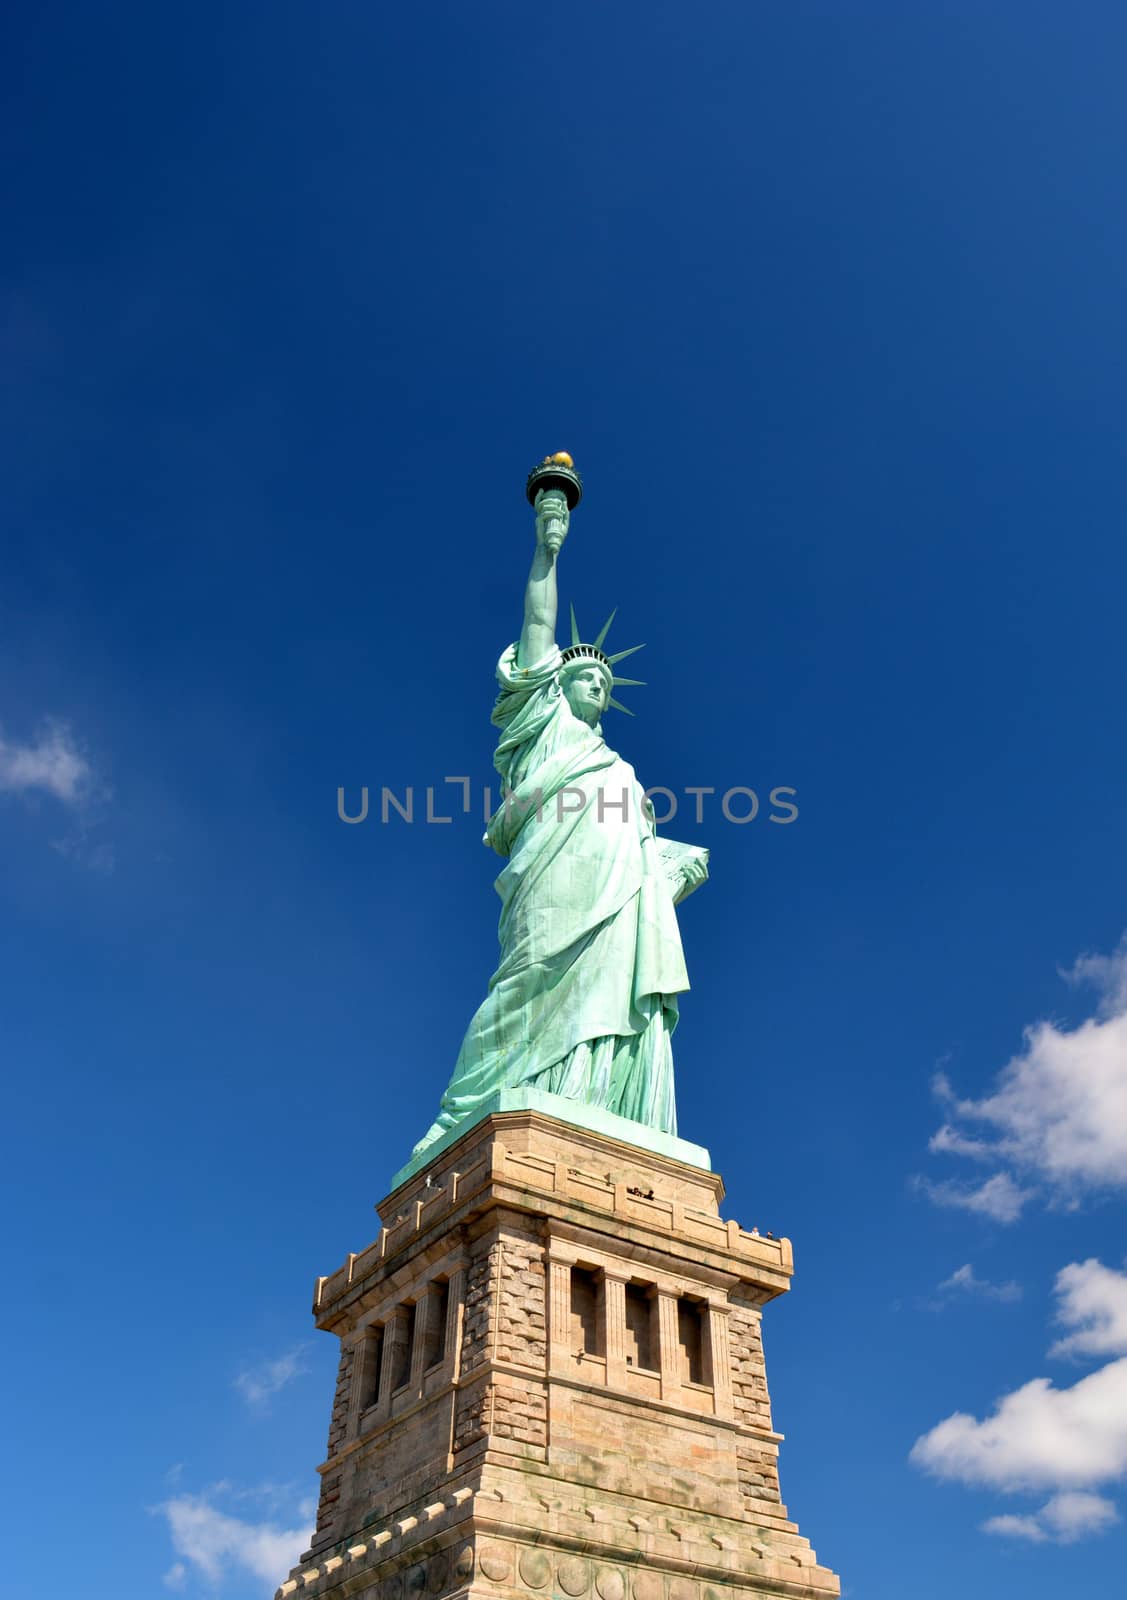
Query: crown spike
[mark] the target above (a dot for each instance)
(618, 706)
(576, 638)
(605, 629)
(622, 654)
(630, 683)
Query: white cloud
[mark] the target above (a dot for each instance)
(1066, 1440)
(257, 1384)
(1093, 1301)
(1038, 1437)
(52, 762)
(1065, 1519)
(176, 1576)
(1107, 974)
(219, 1545)
(1071, 1516)
(999, 1197)
(966, 1281)
(1059, 1108)
(1057, 1118)
(1014, 1527)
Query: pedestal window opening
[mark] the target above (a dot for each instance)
(370, 1357)
(403, 1335)
(691, 1340)
(434, 1345)
(586, 1321)
(641, 1342)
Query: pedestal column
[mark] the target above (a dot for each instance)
(614, 1323)
(669, 1347)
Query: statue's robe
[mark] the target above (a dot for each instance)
(585, 998)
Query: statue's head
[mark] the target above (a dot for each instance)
(586, 686)
(588, 677)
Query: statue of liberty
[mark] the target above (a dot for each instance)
(584, 1000)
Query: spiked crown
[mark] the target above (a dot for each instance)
(578, 651)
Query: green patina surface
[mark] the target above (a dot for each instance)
(584, 1002)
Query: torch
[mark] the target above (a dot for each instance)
(555, 475)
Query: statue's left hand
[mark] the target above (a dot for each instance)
(693, 874)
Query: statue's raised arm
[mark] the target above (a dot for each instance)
(541, 601)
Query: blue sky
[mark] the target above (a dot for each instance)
(827, 302)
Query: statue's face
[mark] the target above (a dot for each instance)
(587, 690)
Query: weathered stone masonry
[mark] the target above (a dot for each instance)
(552, 1379)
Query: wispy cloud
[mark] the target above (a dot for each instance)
(83, 848)
(964, 1280)
(1067, 1440)
(1000, 1198)
(1064, 1519)
(1058, 1111)
(1015, 1527)
(1107, 975)
(257, 1383)
(218, 1545)
(948, 1141)
(54, 763)
(50, 763)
